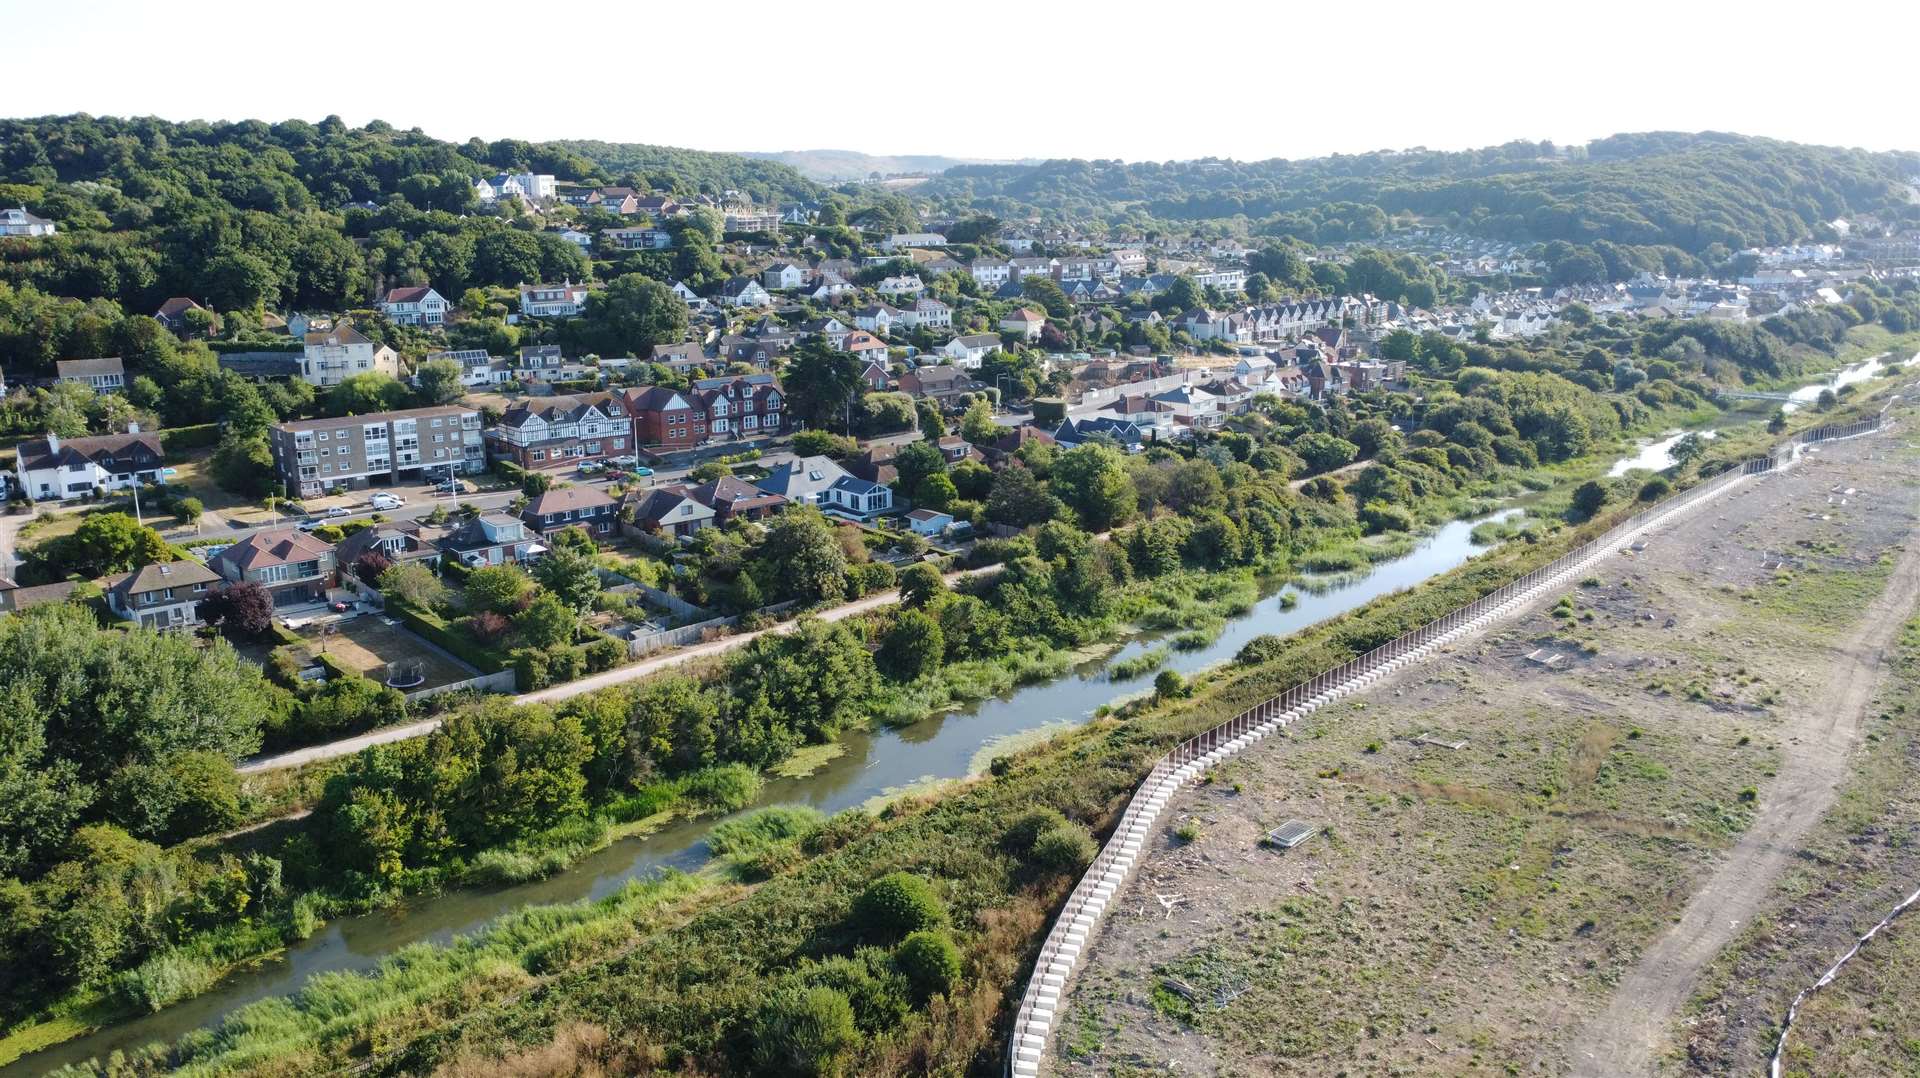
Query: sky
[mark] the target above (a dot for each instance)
(988, 78)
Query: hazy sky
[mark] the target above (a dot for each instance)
(988, 78)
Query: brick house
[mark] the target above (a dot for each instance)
(293, 566)
(556, 432)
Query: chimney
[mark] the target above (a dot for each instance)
(53, 442)
(133, 427)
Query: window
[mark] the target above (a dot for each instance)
(538, 454)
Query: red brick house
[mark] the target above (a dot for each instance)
(559, 432)
(713, 409)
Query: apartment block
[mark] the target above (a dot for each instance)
(321, 456)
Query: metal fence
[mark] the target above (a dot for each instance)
(1072, 928)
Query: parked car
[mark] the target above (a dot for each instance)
(309, 524)
(386, 501)
(629, 460)
(643, 470)
(589, 467)
(338, 511)
(453, 486)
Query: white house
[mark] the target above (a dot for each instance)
(900, 240)
(744, 292)
(970, 350)
(56, 468)
(928, 313)
(908, 284)
(637, 239)
(414, 305)
(563, 300)
(18, 222)
(582, 240)
(990, 273)
(1026, 321)
(929, 521)
(102, 375)
(333, 356)
(876, 318)
(782, 276)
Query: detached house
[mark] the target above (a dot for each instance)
(557, 432)
(18, 222)
(938, 384)
(819, 481)
(173, 314)
(398, 541)
(492, 539)
(332, 356)
(744, 292)
(782, 276)
(927, 313)
(969, 351)
(414, 305)
(563, 300)
(294, 567)
(671, 510)
(731, 497)
(1026, 322)
(876, 318)
(565, 507)
(904, 285)
(102, 375)
(638, 239)
(165, 595)
(60, 468)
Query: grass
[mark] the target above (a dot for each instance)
(808, 759)
(1137, 665)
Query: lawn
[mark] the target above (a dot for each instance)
(367, 644)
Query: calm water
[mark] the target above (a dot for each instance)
(1847, 376)
(873, 765)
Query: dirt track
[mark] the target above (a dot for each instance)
(1628, 1036)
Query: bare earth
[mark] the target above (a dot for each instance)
(1524, 867)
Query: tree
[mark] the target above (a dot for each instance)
(1688, 449)
(803, 1032)
(506, 256)
(439, 381)
(932, 426)
(547, 621)
(244, 465)
(1092, 480)
(916, 462)
(977, 425)
(913, 647)
(498, 588)
(188, 510)
(243, 608)
(937, 491)
(803, 560)
(823, 384)
(369, 567)
(570, 576)
(413, 584)
(1169, 685)
(921, 586)
(367, 392)
(1324, 452)
(634, 313)
(103, 543)
(1588, 499)
(1048, 293)
(1020, 499)
(1193, 485)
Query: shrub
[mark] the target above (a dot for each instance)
(165, 979)
(1169, 685)
(803, 1031)
(1030, 825)
(839, 829)
(370, 565)
(898, 903)
(1063, 848)
(487, 626)
(871, 981)
(930, 961)
(1655, 489)
(1261, 649)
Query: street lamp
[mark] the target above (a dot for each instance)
(997, 379)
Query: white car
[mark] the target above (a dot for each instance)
(338, 511)
(629, 460)
(386, 501)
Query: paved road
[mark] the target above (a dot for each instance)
(616, 676)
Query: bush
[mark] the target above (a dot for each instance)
(165, 979)
(803, 1031)
(930, 961)
(899, 903)
(1063, 848)
(1030, 825)
(1655, 489)
(1169, 685)
(487, 626)
(839, 829)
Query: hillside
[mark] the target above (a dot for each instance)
(835, 166)
(1691, 191)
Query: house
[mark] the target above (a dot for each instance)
(173, 314)
(1143, 412)
(565, 507)
(15, 599)
(929, 522)
(755, 351)
(970, 350)
(876, 375)
(165, 595)
(938, 384)
(876, 318)
(990, 273)
(750, 220)
(1255, 372)
(318, 456)
(563, 300)
(958, 450)
(900, 240)
(1010, 443)
(492, 539)
(827, 286)
(562, 431)
(332, 356)
(102, 375)
(397, 541)
(637, 239)
(740, 406)
(928, 313)
(582, 240)
(1026, 322)
(730, 497)
(293, 566)
(1192, 406)
(820, 482)
(906, 284)
(414, 305)
(478, 367)
(543, 362)
(743, 292)
(829, 329)
(56, 468)
(670, 509)
(681, 357)
(782, 276)
(1125, 434)
(18, 222)
(1208, 325)
(876, 462)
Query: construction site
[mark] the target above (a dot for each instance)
(1571, 843)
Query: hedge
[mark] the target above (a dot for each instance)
(434, 628)
(178, 439)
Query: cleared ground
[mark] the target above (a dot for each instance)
(366, 645)
(1473, 909)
